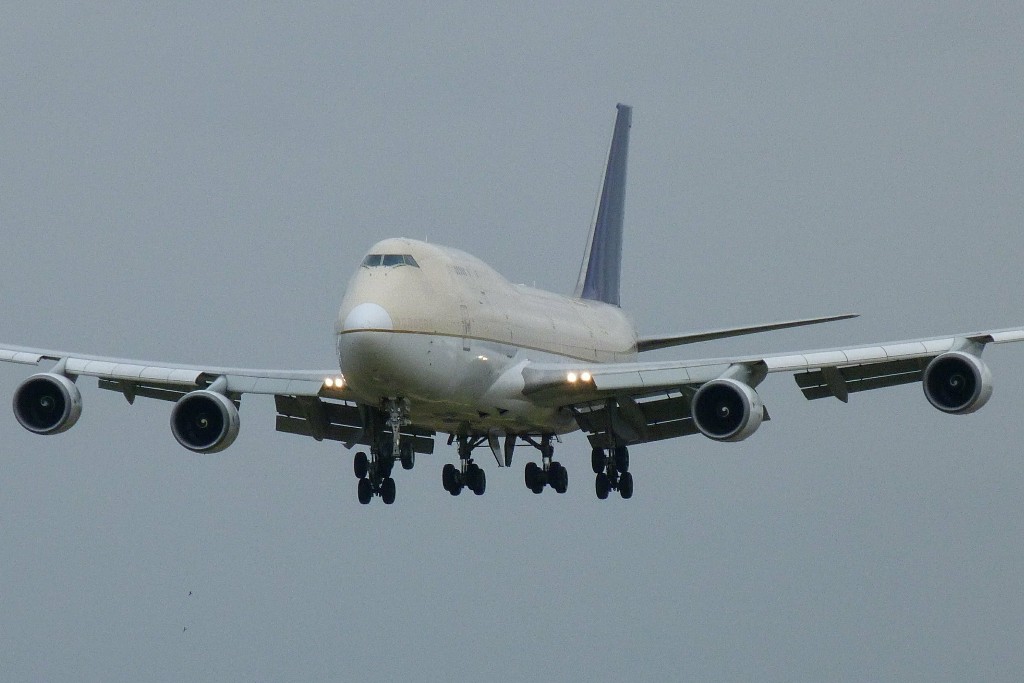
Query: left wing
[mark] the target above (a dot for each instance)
(205, 416)
(651, 343)
(626, 403)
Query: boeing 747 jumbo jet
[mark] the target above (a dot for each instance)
(432, 341)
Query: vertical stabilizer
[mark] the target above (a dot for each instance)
(602, 260)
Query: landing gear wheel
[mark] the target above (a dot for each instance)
(533, 475)
(365, 491)
(407, 455)
(626, 485)
(478, 481)
(387, 491)
(449, 477)
(559, 477)
(361, 465)
(621, 458)
(597, 460)
(602, 486)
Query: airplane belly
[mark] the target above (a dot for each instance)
(448, 386)
(377, 363)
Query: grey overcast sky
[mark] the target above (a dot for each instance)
(195, 183)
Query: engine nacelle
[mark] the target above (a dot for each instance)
(727, 410)
(957, 383)
(47, 403)
(204, 421)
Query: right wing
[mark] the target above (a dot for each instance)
(311, 403)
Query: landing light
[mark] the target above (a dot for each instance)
(481, 357)
(584, 376)
(571, 377)
(335, 382)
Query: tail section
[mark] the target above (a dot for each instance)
(602, 260)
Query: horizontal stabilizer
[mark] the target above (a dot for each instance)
(663, 342)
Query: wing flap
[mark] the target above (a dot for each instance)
(839, 381)
(609, 423)
(310, 416)
(161, 392)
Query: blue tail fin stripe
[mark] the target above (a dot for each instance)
(602, 261)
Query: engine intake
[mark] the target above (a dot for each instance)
(727, 410)
(957, 383)
(205, 421)
(47, 403)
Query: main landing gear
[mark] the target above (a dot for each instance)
(611, 465)
(468, 474)
(549, 472)
(374, 471)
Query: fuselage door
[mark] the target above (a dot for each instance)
(466, 326)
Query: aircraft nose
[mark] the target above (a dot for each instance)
(368, 316)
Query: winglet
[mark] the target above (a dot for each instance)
(602, 260)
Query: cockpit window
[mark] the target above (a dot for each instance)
(374, 260)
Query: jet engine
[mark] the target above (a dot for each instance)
(205, 421)
(957, 383)
(726, 409)
(47, 403)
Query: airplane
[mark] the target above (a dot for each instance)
(433, 341)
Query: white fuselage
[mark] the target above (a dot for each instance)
(446, 332)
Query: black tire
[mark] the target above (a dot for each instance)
(539, 488)
(365, 491)
(449, 477)
(626, 485)
(408, 455)
(530, 475)
(602, 486)
(597, 460)
(479, 482)
(387, 491)
(559, 477)
(622, 459)
(360, 465)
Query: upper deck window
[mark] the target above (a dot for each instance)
(374, 260)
